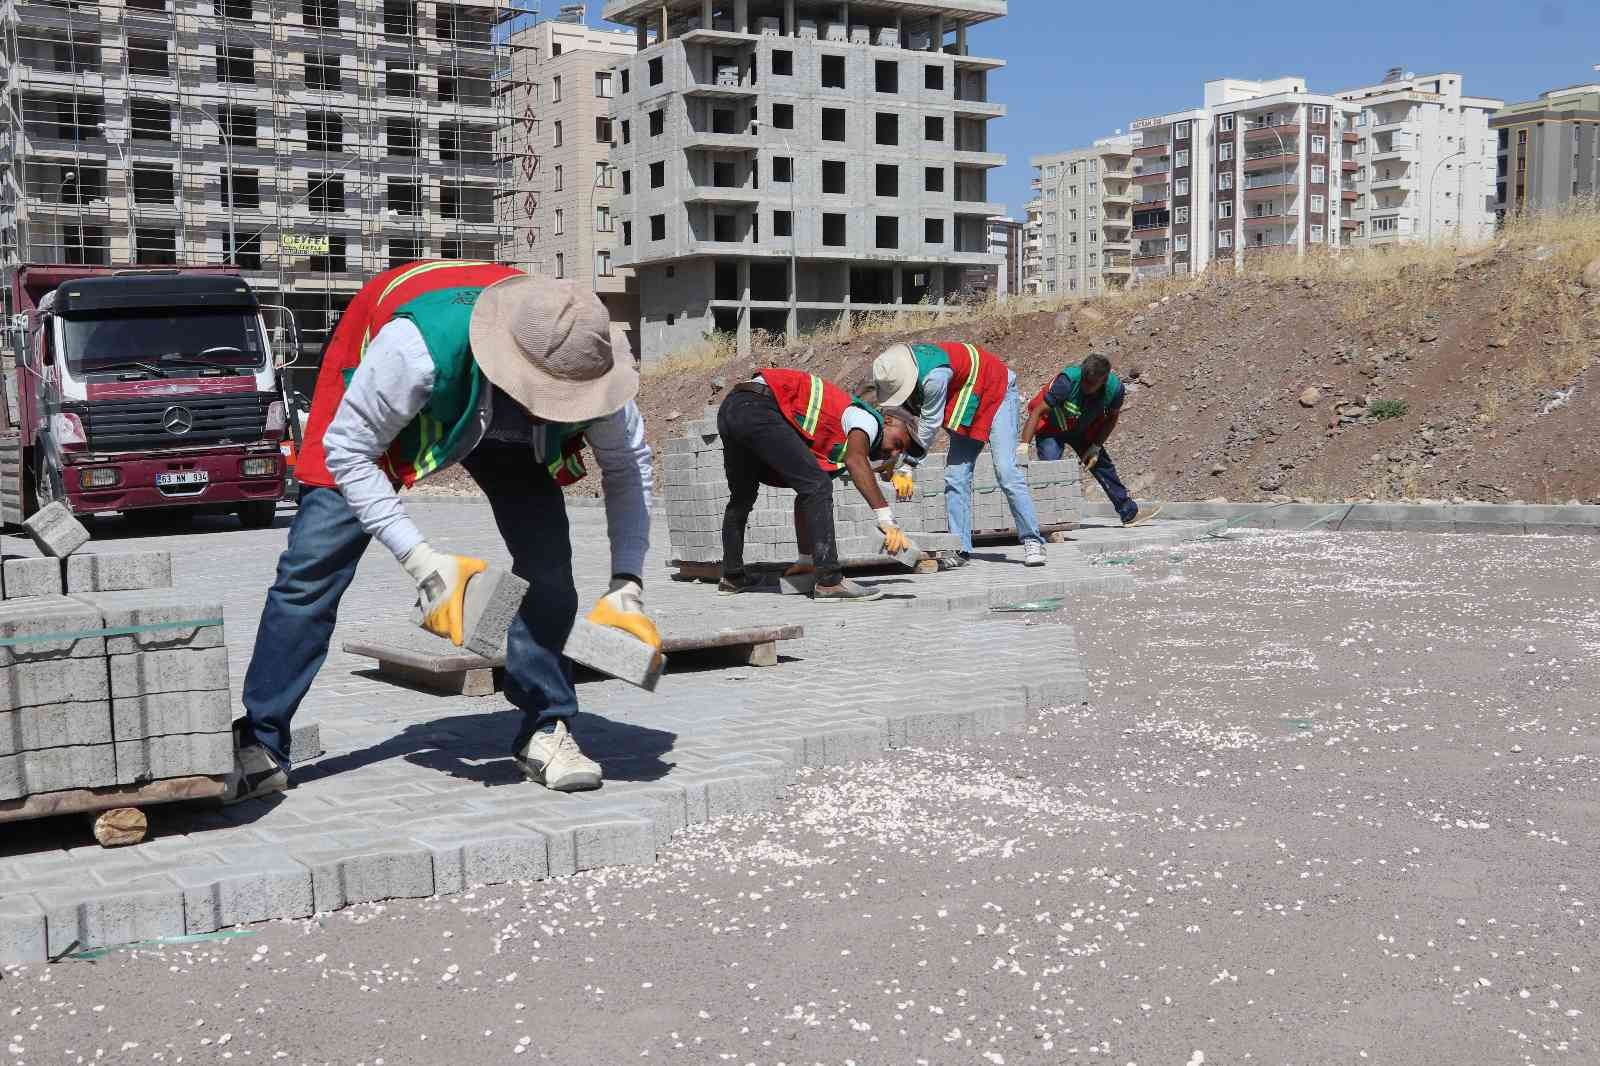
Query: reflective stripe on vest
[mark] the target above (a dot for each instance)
(808, 424)
(958, 408)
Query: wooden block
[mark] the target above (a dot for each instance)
(472, 682)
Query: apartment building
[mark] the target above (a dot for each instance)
(310, 142)
(1078, 237)
(1424, 161)
(1547, 151)
(784, 162)
(1005, 243)
(1255, 169)
(560, 218)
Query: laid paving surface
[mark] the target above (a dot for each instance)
(416, 794)
(1333, 801)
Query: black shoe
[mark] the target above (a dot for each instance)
(732, 586)
(954, 561)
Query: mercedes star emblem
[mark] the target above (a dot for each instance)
(177, 421)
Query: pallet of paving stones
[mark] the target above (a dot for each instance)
(113, 686)
(11, 478)
(411, 656)
(694, 488)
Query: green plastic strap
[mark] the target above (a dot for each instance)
(1218, 529)
(1340, 514)
(113, 631)
(1032, 606)
(158, 942)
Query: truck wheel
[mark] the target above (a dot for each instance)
(257, 514)
(45, 484)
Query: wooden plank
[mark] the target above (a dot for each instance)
(474, 682)
(84, 800)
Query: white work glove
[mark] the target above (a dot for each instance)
(623, 608)
(441, 589)
(1024, 454)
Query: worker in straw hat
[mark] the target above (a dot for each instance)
(973, 395)
(509, 375)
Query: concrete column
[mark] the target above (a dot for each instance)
(641, 32)
(899, 286)
(705, 14)
(664, 23)
(961, 38)
(741, 15)
(743, 337)
(936, 285)
(790, 28)
(938, 33)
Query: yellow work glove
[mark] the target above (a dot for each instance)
(441, 589)
(905, 484)
(1024, 454)
(802, 566)
(623, 608)
(1091, 456)
(894, 539)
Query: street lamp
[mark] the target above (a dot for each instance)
(127, 170)
(227, 148)
(1456, 154)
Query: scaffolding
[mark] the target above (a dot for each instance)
(311, 143)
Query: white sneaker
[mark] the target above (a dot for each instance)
(555, 761)
(255, 773)
(1033, 554)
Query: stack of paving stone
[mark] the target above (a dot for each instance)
(107, 675)
(694, 487)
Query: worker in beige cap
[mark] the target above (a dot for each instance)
(511, 376)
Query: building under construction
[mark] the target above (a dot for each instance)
(312, 143)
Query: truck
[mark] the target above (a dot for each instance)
(144, 391)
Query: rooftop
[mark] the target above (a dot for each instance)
(954, 11)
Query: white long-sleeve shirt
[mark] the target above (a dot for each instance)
(393, 383)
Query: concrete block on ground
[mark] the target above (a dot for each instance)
(305, 741)
(56, 619)
(22, 929)
(44, 684)
(80, 917)
(468, 853)
(27, 578)
(175, 670)
(615, 653)
(55, 531)
(160, 714)
(57, 726)
(184, 755)
(119, 571)
(255, 884)
(383, 868)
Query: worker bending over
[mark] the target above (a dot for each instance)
(973, 395)
(437, 363)
(791, 429)
(1079, 410)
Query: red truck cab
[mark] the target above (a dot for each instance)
(146, 390)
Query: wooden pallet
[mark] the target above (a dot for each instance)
(121, 818)
(427, 662)
(711, 573)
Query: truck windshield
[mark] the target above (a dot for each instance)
(174, 342)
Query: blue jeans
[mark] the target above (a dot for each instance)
(326, 543)
(1105, 472)
(1003, 445)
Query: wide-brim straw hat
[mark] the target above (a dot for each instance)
(546, 343)
(895, 375)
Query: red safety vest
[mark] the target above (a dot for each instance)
(369, 311)
(978, 383)
(816, 408)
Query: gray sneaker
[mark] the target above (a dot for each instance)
(1033, 554)
(255, 774)
(846, 591)
(1143, 515)
(555, 761)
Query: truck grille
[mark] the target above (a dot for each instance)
(125, 425)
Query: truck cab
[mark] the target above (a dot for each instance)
(148, 390)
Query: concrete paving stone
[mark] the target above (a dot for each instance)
(55, 531)
(143, 908)
(252, 884)
(466, 853)
(176, 670)
(382, 867)
(56, 769)
(596, 841)
(156, 607)
(181, 755)
(48, 628)
(167, 713)
(22, 928)
(119, 571)
(55, 726)
(29, 578)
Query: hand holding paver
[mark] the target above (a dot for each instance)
(623, 608)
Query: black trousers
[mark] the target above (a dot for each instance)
(760, 447)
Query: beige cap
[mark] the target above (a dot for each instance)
(546, 343)
(895, 375)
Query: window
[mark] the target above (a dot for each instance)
(1225, 238)
(86, 245)
(605, 175)
(627, 132)
(627, 233)
(833, 231)
(1180, 132)
(561, 222)
(888, 179)
(602, 264)
(933, 228)
(241, 190)
(888, 128)
(602, 84)
(782, 168)
(1225, 180)
(326, 193)
(782, 224)
(602, 219)
(156, 247)
(322, 72)
(1319, 114)
(832, 177)
(561, 262)
(559, 136)
(933, 78)
(242, 10)
(1225, 209)
(658, 123)
(405, 197)
(1225, 124)
(1180, 187)
(658, 175)
(236, 65)
(152, 120)
(627, 183)
(401, 134)
(335, 262)
(400, 18)
(658, 227)
(833, 126)
(933, 130)
(1319, 175)
(1225, 151)
(833, 72)
(1180, 158)
(783, 62)
(560, 177)
(1319, 145)
(887, 73)
(1317, 234)
(148, 55)
(783, 116)
(933, 179)
(625, 80)
(1180, 242)
(1318, 204)
(1180, 216)
(324, 131)
(238, 125)
(320, 14)
(152, 185)
(655, 71)
(602, 131)
(888, 231)
(399, 79)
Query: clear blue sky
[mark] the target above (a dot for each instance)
(1079, 70)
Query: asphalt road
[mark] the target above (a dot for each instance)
(1333, 802)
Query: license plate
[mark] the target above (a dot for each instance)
(183, 477)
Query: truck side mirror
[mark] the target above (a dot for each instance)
(47, 347)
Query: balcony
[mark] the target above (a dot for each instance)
(1144, 231)
(1124, 196)
(1350, 137)
(1120, 267)
(1118, 174)
(1154, 203)
(1396, 147)
(722, 90)
(1348, 166)
(1270, 179)
(1274, 216)
(1275, 158)
(715, 194)
(1116, 246)
(978, 108)
(1399, 181)
(1116, 223)
(720, 142)
(1150, 175)
(1348, 195)
(1255, 130)
(1155, 148)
